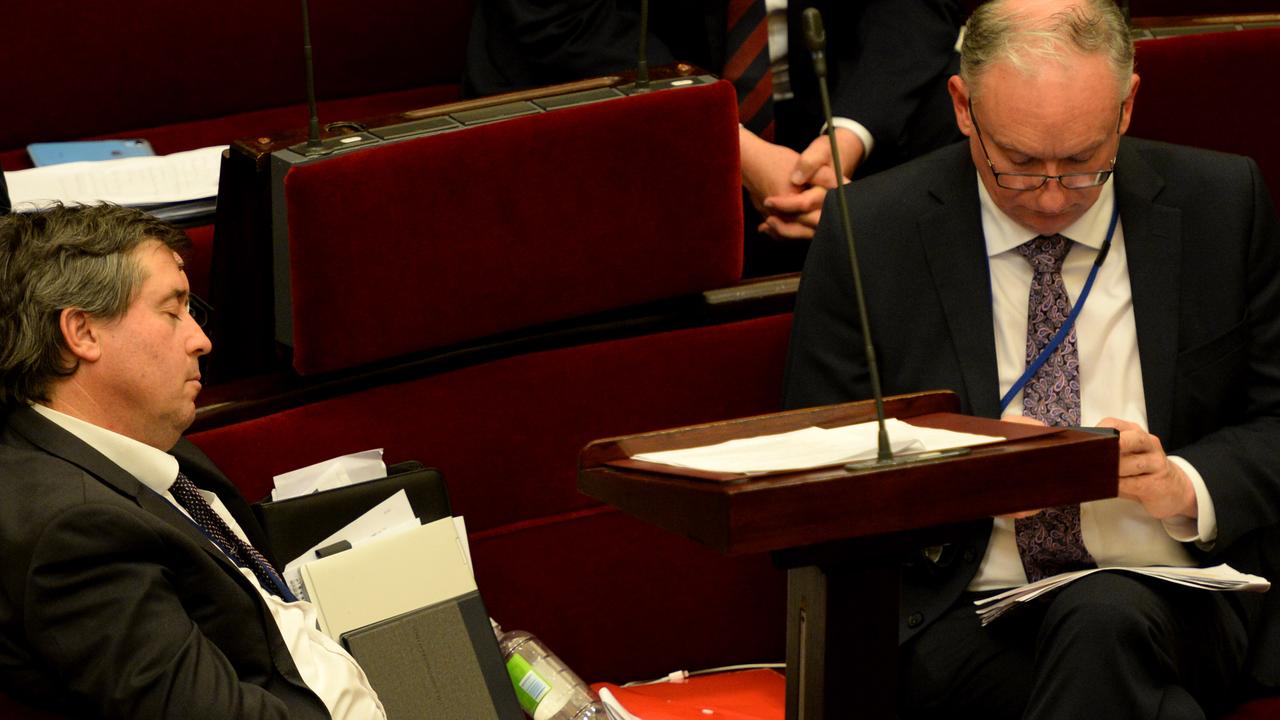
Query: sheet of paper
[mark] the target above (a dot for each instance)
(1219, 577)
(388, 577)
(813, 447)
(391, 516)
(139, 181)
(329, 474)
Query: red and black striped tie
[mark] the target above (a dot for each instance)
(747, 66)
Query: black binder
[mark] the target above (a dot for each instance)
(293, 526)
(440, 661)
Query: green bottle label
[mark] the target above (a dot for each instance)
(529, 685)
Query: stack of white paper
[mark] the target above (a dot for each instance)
(813, 447)
(154, 180)
(1218, 577)
(388, 577)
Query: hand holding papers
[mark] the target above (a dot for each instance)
(812, 447)
(1218, 577)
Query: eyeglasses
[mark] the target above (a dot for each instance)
(1034, 181)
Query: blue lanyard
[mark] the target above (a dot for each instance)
(1034, 367)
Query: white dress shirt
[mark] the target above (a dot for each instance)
(1116, 532)
(325, 667)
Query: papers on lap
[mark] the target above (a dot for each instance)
(812, 447)
(1218, 577)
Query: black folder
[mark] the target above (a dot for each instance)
(440, 661)
(293, 526)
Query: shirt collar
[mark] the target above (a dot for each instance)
(1003, 233)
(154, 468)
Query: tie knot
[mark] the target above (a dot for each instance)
(1045, 252)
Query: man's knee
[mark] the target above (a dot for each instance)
(1109, 609)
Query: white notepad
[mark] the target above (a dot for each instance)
(388, 577)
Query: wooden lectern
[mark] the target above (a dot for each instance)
(838, 531)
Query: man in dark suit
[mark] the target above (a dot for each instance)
(130, 586)
(4, 194)
(889, 61)
(1176, 345)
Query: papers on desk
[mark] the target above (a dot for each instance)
(813, 447)
(136, 181)
(1219, 577)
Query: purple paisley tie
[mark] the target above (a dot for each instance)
(1050, 542)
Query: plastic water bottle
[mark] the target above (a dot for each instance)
(546, 688)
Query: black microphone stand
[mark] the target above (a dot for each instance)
(816, 37)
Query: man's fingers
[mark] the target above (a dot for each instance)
(814, 157)
(799, 203)
(788, 229)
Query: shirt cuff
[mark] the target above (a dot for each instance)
(1203, 529)
(856, 128)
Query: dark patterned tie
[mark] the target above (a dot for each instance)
(747, 67)
(1050, 541)
(241, 552)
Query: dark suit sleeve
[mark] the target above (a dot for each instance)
(1233, 379)
(102, 605)
(894, 61)
(525, 43)
(5, 205)
(825, 364)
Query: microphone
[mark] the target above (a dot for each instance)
(816, 38)
(314, 146)
(642, 64)
(641, 83)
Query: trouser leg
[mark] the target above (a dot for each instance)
(1111, 645)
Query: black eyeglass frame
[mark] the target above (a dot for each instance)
(1066, 180)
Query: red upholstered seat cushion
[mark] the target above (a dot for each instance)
(1213, 90)
(507, 434)
(421, 244)
(1263, 709)
(616, 598)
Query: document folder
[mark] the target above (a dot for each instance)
(295, 525)
(440, 661)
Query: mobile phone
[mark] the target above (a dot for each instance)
(54, 153)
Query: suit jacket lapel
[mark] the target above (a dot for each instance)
(1153, 245)
(951, 234)
(52, 439)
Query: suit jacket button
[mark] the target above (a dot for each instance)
(914, 620)
(970, 555)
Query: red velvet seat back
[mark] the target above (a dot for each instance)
(1214, 90)
(417, 245)
(617, 599)
(77, 69)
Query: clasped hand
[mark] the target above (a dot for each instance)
(787, 187)
(1145, 472)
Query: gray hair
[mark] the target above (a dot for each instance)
(995, 33)
(59, 258)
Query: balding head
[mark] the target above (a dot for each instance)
(1028, 34)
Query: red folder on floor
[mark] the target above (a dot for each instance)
(746, 695)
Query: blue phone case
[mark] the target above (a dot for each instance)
(53, 153)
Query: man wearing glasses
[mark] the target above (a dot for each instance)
(1051, 269)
